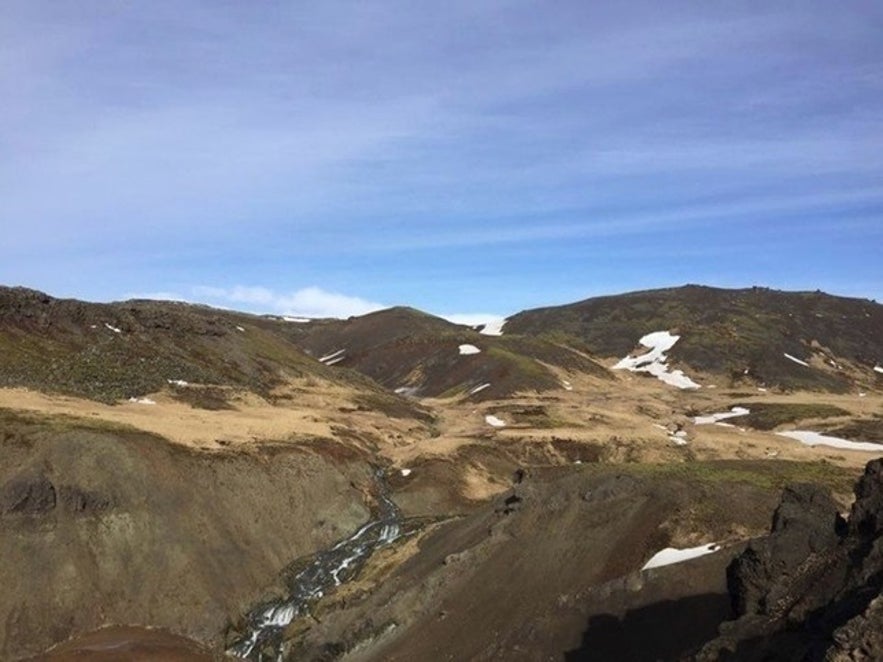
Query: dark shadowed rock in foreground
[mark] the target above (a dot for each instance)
(811, 589)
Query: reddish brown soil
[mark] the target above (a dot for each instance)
(133, 644)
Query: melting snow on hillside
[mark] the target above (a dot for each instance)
(878, 368)
(722, 416)
(796, 360)
(678, 438)
(670, 555)
(334, 357)
(492, 420)
(654, 361)
(478, 389)
(113, 328)
(465, 350)
(816, 439)
(493, 327)
(142, 401)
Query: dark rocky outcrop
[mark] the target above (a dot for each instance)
(35, 495)
(804, 523)
(28, 495)
(811, 589)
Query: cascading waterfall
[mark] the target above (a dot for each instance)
(328, 569)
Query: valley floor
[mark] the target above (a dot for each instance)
(531, 516)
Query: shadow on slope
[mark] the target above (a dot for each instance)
(666, 630)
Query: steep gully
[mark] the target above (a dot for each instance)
(262, 639)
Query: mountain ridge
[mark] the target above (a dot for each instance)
(752, 336)
(742, 334)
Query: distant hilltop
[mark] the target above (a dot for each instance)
(756, 337)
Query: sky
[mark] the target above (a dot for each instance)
(466, 158)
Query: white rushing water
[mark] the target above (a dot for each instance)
(328, 569)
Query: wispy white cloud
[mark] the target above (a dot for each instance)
(305, 302)
(212, 142)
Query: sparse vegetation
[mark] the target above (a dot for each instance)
(30, 422)
(725, 331)
(212, 398)
(769, 415)
(863, 429)
(767, 474)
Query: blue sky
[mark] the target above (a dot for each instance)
(461, 157)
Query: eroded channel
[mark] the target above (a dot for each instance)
(262, 639)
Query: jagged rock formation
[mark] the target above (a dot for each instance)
(811, 589)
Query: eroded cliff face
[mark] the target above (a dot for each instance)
(101, 527)
(811, 589)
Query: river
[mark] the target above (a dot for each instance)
(262, 640)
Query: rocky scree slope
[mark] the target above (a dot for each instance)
(740, 334)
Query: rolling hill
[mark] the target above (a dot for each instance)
(411, 352)
(115, 351)
(395, 486)
(788, 340)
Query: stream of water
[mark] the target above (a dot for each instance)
(329, 568)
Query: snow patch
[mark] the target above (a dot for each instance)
(334, 357)
(405, 472)
(239, 328)
(816, 439)
(113, 328)
(297, 320)
(492, 420)
(567, 385)
(878, 369)
(177, 382)
(493, 327)
(654, 361)
(671, 555)
(678, 438)
(142, 401)
(796, 360)
(722, 416)
(466, 350)
(479, 388)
